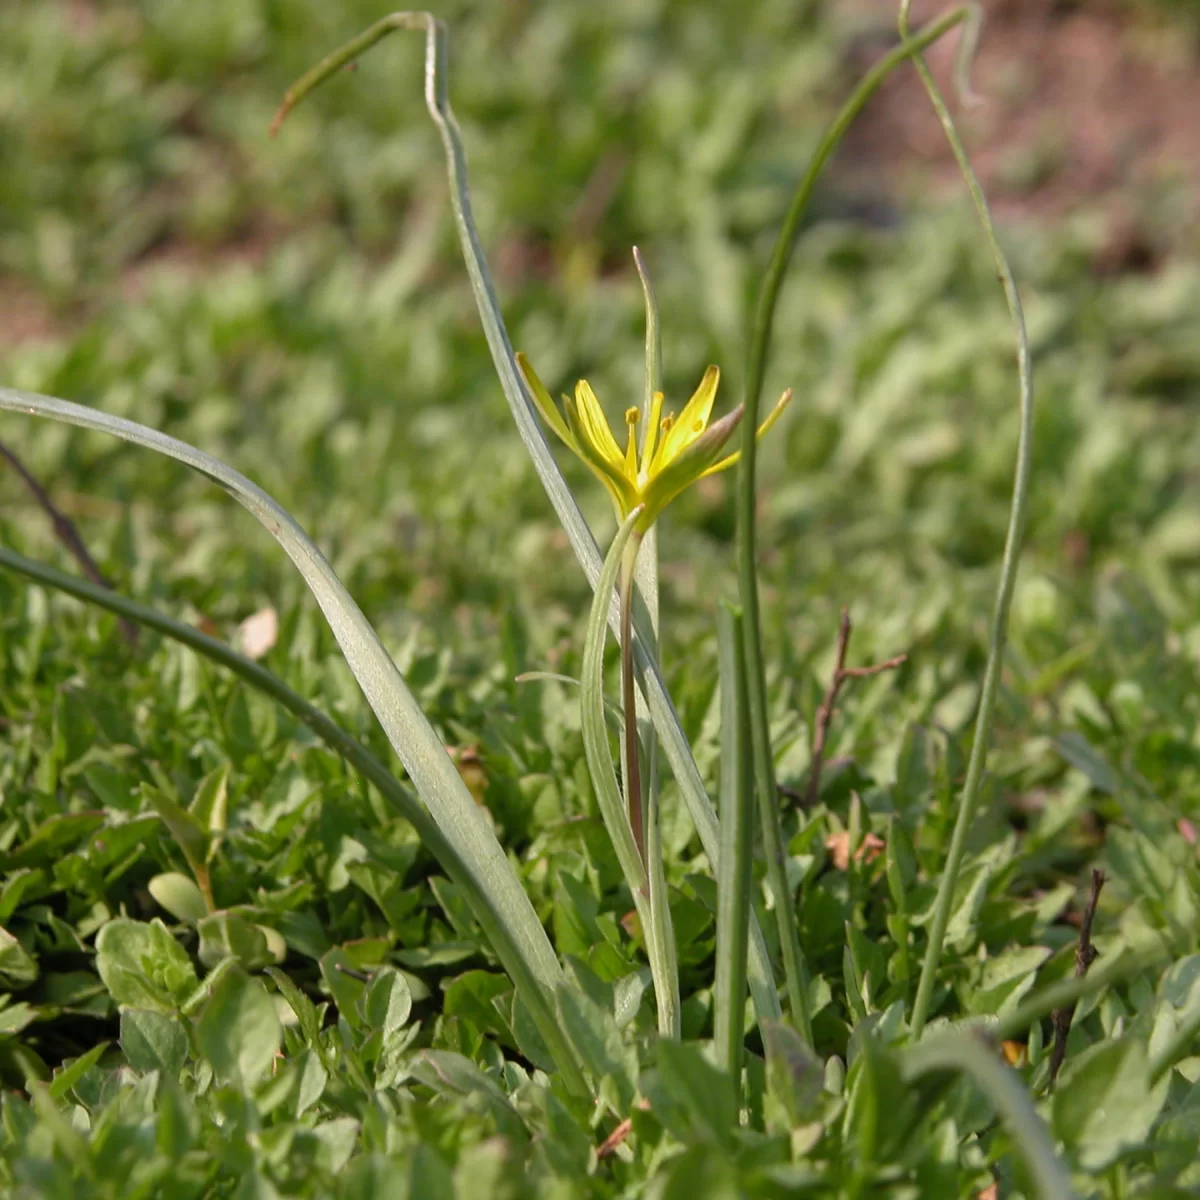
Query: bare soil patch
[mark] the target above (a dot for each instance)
(1082, 106)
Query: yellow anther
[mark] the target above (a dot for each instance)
(631, 416)
(667, 422)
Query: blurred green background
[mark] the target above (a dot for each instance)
(299, 308)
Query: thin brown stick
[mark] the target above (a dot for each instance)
(623, 1129)
(824, 718)
(614, 1139)
(1085, 955)
(65, 531)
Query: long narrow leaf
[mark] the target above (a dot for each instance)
(650, 680)
(658, 933)
(664, 957)
(420, 749)
(337, 739)
(970, 1055)
(737, 831)
(759, 348)
(969, 801)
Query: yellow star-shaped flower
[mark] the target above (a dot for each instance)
(675, 451)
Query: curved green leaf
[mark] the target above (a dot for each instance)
(650, 680)
(968, 1054)
(656, 926)
(434, 776)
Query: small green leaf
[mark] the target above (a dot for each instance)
(341, 977)
(306, 1012)
(210, 806)
(473, 995)
(900, 862)
(379, 1177)
(795, 1076)
(387, 1002)
(229, 935)
(277, 947)
(492, 1167)
(17, 966)
(1005, 978)
(52, 837)
(153, 1041)
(704, 1092)
(969, 896)
(1105, 1103)
(597, 1041)
(445, 1071)
(876, 1103)
(179, 895)
(336, 1141)
(15, 887)
(527, 1036)
(627, 996)
(701, 1171)
(15, 1017)
(312, 1078)
(239, 1031)
(66, 1077)
(185, 829)
(143, 966)
(1083, 756)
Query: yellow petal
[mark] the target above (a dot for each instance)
(651, 434)
(723, 465)
(612, 475)
(692, 421)
(593, 424)
(686, 467)
(772, 417)
(545, 404)
(776, 412)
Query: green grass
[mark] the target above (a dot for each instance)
(299, 309)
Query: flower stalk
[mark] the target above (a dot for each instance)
(633, 774)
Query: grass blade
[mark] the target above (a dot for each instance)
(756, 688)
(736, 877)
(650, 680)
(433, 775)
(646, 583)
(664, 959)
(969, 802)
(341, 743)
(647, 562)
(656, 925)
(970, 1055)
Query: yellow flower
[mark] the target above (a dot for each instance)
(676, 451)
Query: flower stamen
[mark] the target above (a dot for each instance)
(676, 450)
(631, 420)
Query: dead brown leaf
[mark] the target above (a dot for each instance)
(257, 634)
(838, 845)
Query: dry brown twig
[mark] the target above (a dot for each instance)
(1085, 955)
(623, 1129)
(614, 1139)
(65, 531)
(824, 718)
